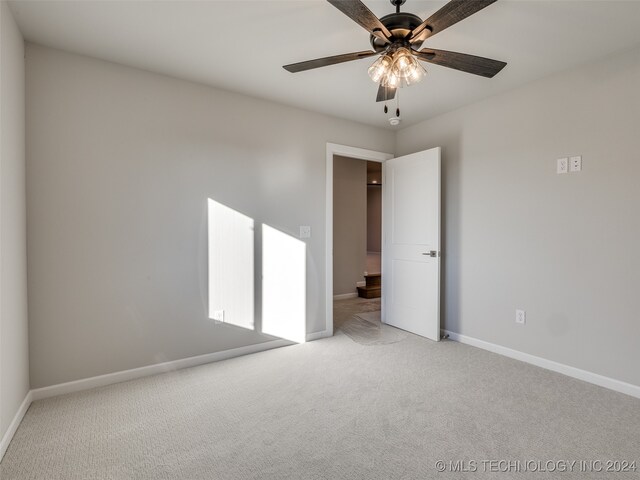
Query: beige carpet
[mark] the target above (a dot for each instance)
(330, 409)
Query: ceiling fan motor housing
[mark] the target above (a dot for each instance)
(400, 25)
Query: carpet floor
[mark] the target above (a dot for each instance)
(334, 409)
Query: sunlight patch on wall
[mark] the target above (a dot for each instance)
(231, 266)
(284, 300)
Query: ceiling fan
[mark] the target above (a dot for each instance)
(397, 39)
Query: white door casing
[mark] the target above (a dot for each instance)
(345, 151)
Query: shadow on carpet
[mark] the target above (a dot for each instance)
(367, 329)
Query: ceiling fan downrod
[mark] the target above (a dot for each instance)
(397, 3)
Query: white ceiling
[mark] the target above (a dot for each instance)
(241, 46)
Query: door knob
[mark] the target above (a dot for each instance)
(431, 253)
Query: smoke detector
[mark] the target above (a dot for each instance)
(394, 121)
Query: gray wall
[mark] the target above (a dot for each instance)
(120, 164)
(517, 235)
(14, 357)
(374, 218)
(349, 223)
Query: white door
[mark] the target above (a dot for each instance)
(411, 249)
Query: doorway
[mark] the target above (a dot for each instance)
(357, 240)
(361, 258)
(410, 236)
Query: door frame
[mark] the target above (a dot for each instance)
(351, 152)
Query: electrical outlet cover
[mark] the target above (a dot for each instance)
(563, 165)
(521, 317)
(575, 164)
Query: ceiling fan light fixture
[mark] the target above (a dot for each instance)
(390, 80)
(397, 39)
(396, 69)
(406, 67)
(402, 61)
(379, 69)
(416, 74)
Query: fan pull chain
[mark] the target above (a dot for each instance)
(385, 108)
(398, 103)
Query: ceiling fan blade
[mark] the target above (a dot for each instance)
(359, 13)
(450, 14)
(484, 67)
(385, 93)
(323, 62)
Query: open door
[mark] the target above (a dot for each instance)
(411, 243)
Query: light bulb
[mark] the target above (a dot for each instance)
(379, 68)
(406, 67)
(402, 61)
(417, 73)
(390, 80)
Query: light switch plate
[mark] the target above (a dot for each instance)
(305, 232)
(575, 164)
(563, 165)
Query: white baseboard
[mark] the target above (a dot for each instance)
(596, 379)
(318, 335)
(344, 296)
(123, 376)
(15, 423)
